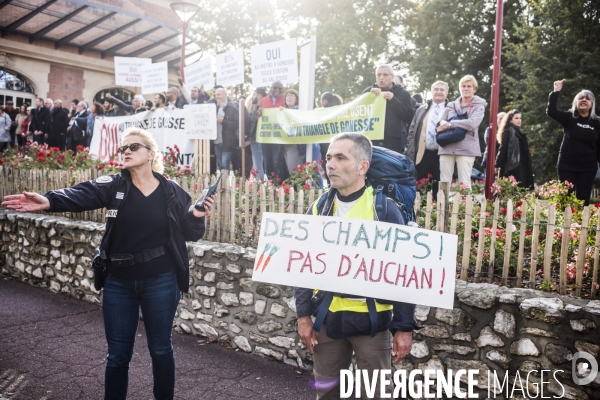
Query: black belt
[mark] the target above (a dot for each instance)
(126, 260)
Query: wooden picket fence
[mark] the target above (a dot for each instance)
(240, 204)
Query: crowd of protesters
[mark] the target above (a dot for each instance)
(411, 127)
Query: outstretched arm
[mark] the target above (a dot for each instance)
(26, 202)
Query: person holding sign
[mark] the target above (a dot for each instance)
(273, 153)
(399, 110)
(143, 254)
(372, 329)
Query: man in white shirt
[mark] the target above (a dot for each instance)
(421, 145)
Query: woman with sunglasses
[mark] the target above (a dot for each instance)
(149, 219)
(580, 148)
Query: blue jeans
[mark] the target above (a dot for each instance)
(223, 157)
(257, 159)
(158, 297)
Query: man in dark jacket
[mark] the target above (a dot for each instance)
(228, 118)
(39, 119)
(398, 112)
(175, 99)
(137, 104)
(366, 327)
(56, 129)
(421, 146)
(78, 127)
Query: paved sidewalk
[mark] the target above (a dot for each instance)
(52, 347)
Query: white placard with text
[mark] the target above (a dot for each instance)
(128, 70)
(155, 78)
(276, 61)
(230, 68)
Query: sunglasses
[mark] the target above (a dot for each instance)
(132, 147)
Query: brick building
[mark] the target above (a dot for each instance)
(65, 49)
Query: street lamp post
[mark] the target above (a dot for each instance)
(185, 12)
(490, 167)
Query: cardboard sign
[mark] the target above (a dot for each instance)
(230, 68)
(200, 121)
(365, 258)
(167, 126)
(128, 70)
(365, 114)
(155, 78)
(276, 61)
(200, 73)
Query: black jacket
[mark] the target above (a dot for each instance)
(39, 119)
(123, 106)
(79, 128)
(580, 147)
(348, 323)
(102, 192)
(399, 113)
(58, 122)
(231, 125)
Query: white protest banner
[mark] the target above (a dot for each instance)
(365, 258)
(155, 78)
(200, 121)
(167, 127)
(200, 73)
(276, 61)
(128, 70)
(230, 68)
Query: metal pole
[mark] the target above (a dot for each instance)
(491, 156)
(242, 135)
(182, 62)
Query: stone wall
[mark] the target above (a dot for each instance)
(490, 328)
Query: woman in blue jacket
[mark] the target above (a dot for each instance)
(149, 218)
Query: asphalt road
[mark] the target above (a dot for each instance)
(52, 347)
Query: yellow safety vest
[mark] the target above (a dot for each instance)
(362, 209)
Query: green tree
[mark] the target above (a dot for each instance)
(352, 38)
(228, 25)
(557, 39)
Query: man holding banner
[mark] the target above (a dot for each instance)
(346, 323)
(398, 111)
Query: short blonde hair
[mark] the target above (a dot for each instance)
(148, 140)
(468, 78)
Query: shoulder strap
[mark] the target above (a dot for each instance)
(380, 203)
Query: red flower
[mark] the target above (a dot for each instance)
(572, 210)
(79, 148)
(286, 189)
(518, 214)
(41, 159)
(41, 154)
(177, 148)
(429, 176)
(55, 149)
(100, 167)
(528, 233)
(504, 211)
(306, 186)
(519, 204)
(597, 205)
